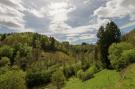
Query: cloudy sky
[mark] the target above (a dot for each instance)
(75, 21)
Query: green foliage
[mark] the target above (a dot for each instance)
(84, 43)
(40, 57)
(86, 63)
(37, 78)
(53, 44)
(121, 55)
(14, 79)
(129, 55)
(4, 69)
(7, 51)
(85, 75)
(3, 36)
(107, 36)
(4, 61)
(80, 74)
(22, 55)
(45, 43)
(15, 38)
(58, 79)
(23, 49)
(57, 57)
(71, 70)
(38, 74)
(36, 41)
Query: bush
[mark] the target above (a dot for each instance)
(80, 74)
(121, 55)
(71, 70)
(77, 67)
(4, 61)
(14, 79)
(37, 78)
(93, 69)
(38, 74)
(85, 75)
(58, 79)
(86, 63)
(23, 49)
(127, 57)
(7, 51)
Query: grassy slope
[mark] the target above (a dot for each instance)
(128, 79)
(102, 80)
(106, 79)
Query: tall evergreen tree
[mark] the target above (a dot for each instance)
(106, 36)
(36, 40)
(36, 46)
(52, 45)
(3, 37)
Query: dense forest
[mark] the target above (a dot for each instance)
(34, 61)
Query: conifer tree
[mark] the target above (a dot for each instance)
(106, 36)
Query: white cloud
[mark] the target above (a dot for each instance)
(72, 20)
(36, 13)
(116, 9)
(11, 15)
(58, 13)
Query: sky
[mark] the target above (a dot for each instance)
(75, 21)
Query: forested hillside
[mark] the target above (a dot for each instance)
(39, 60)
(34, 61)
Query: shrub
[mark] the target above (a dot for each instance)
(71, 70)
(68, 71)
(85, 63)
(85, 75)
(93, 69)
(127, 57)
(79, 74)
(77, 67)
(39, 74)
(23, 49)
(121, 55)
(58, 79)
(7, 51)
(37, 78)
(4, 61)
(14, 79)
(4, 69)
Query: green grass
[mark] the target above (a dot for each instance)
(105, 79)
(128, 79)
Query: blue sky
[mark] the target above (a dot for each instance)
(75, 21)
